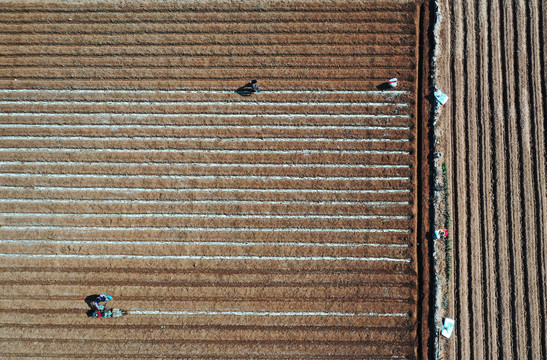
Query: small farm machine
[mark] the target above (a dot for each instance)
(104, 312)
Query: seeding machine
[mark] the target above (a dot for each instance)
(104, 312)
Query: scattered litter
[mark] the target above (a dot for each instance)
(448, 327)
(393, 82)
(441, 97)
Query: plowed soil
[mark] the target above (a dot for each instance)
(492, 64)
(280, 225)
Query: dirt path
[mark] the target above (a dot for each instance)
(492, 65)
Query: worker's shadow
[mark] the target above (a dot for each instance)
(384, 86)
(89, 301)
(245, 90)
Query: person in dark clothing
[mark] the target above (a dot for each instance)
(248, 89)
(102, 298)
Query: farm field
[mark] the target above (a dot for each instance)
(492, 64)
(280, 225)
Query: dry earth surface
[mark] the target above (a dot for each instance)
(492, 64)
(273, 226)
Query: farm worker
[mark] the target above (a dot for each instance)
(102, 298)
(441, 233)
(255, 86)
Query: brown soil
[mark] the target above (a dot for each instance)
(257, 196)
(492, 64)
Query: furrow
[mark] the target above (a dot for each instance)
(201, 17)
(217, 207)
(461, 349)
(141, 40)
(266, 50)
(211, 61)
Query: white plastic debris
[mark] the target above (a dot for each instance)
(441, 97)
(448, 327)
(393, 82)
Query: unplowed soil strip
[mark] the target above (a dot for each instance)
(276, 225)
